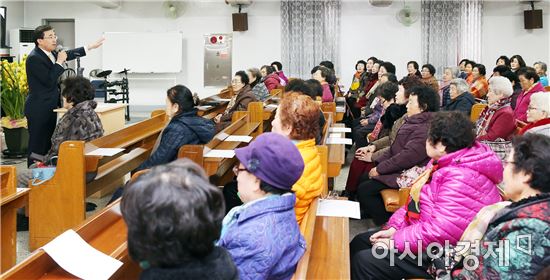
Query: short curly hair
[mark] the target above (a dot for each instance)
(459, 137)
(173, 214)
(531, 155)
(77, 89)
(302, 114)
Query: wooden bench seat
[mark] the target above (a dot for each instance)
(105, 231)
(58, 204)
(116, 169)
(11, 199)
(394, 199)
(247, 123)
(327, 238)
(336, 156)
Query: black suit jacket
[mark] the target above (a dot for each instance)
(42, 77)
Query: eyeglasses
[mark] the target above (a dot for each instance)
(236, 170)
(509, 162)
(533, 108)
(50, 37)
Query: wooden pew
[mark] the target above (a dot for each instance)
(329, 255)
(211, 106)
(11, 200)
(307, 228)
(327, 238)
(394, 199)
(249, 123)
(105, 231)
(58, 204)
(476, 111)
(340, 108)
(336, 156)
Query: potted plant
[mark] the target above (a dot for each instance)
(13, 95)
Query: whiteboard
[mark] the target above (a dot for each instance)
(143, 52)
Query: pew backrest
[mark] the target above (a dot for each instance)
(8, 177)
(476, 111)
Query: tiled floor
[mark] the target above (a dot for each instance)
(356, 226)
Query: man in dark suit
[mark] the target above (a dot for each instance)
(44, 67)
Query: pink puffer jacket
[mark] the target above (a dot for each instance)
(464, 182)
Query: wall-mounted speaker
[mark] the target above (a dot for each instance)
(240, 22)
(532, 19)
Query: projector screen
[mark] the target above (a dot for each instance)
(143, 52)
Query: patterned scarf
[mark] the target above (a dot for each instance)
(482, 124)
(413, 203)
(356, 81)
(377, 128)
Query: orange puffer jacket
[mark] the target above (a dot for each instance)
(309, 186)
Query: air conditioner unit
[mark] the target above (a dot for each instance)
(21, 42)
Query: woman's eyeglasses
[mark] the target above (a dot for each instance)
(236, 170)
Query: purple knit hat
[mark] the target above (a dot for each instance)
(274, 159)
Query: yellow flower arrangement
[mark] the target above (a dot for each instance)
(14, 93)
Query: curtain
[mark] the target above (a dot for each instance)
(451, 31)
(310, 34)
(470, 29)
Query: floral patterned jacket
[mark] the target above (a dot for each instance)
(79, 123)
(525, 225)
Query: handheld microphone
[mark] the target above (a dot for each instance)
(60, 48)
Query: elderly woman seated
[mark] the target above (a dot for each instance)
(529, 81)
(297, 118)
(270, 78)
(449, 73)
(538, 115)
(461, 98)
(395, 106)
(479, 85)
(428, 77)
(262, 235)
(521, 225)
(81, 122)
(541, 68)
(497, 120)
(407, 150)
(174, 217)
(258, 88)
(460, 179)
(239, 102)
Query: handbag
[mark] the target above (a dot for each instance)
(42, 173)
(500, 146)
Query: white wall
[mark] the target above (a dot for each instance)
(15, 16)
(255, 47)
(374, 31)
(504, 34)
(366, 31)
